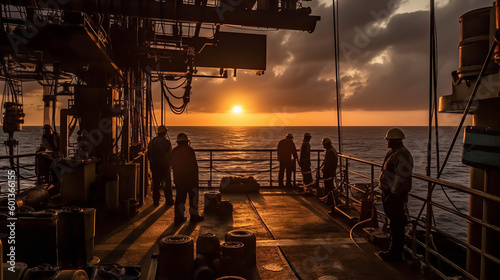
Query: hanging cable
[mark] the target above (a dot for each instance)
(161, 98)
(337, 76)
(431, 93)
(8, 80)
(176, 87)
(171, 94)
(185, 98)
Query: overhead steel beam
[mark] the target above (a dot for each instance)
(169, 10)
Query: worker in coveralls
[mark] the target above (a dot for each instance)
(286, 149)
(395, 183)
(329, 169)
(160, 155)
(305, 159)
(185, 169)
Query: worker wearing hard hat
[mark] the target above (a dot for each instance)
(286, 149)
(160, 155)
(305, 159)
(329, 168)
(50, 140)
(395, 183)
(185, 168)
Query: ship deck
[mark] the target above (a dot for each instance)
(296, 238)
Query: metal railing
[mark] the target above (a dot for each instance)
(17, 167)
(210, 161)
(263, 162)
(432, 256)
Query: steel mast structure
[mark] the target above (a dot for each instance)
(106, 54)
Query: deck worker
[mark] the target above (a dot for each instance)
(47, 153)
(50, 140)
(395, 183)
(160, 155)
(329, 169)
(286, 149)
(305, 159)
(186, 180)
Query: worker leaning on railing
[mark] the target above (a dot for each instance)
(395, 183)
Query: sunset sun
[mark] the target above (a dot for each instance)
(237, 110)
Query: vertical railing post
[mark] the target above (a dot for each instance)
(372, 182)
(211, 166)
(484, 229)
(270, 168)
(428, 223)
(346, 183)
(374, 221)
(294, 173)
(319, 163)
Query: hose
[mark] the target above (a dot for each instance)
(352, 230)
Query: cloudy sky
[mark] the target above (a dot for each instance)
(384, 62)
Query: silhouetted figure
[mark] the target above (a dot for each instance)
(47, 153)
(286, 149)
(305, 159)
(395, 183)
(160, 156)
(186, 181)
(50, 140)
(84, 147)
(329, 169)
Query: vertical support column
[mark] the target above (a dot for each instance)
(46, 104)
(487, 180)
(126, 120)
(63, 136)
(115, 97)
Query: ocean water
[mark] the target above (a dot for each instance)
(361, 142)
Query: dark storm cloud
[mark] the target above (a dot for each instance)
(305, 82)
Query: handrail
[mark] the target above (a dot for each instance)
(17, 156)
(430, 229)
(437, 181)
(270, 154)
(209, 156)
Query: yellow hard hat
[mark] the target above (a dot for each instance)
(162, 129)
(326, 141)
(307, 134)
(289, 135)
(182, 137)
(395, 133)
